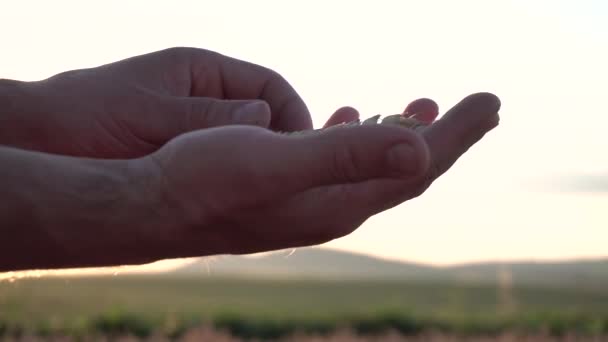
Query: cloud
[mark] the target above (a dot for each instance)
(591, 183)
(587, 183)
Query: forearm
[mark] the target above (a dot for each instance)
(61, 212)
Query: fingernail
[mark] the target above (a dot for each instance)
(403, 160)
(255, 113)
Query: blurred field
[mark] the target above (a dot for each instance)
(177, 307)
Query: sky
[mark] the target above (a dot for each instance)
(535, 188)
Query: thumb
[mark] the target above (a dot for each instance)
(344, 155)
(180, 115)
(204, 112)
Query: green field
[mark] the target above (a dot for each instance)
(169, 305)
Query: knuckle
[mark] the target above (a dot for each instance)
(340, 228)
(178, 55)
(185, 55)
(180, 51)
(344, 165)
(429, 177)
(433, 172)
(329, 233)
(273, 81)
(200, 113)
(275, 76)
(419, 190)
(347, 228)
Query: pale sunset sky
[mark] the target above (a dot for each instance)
(535, 188)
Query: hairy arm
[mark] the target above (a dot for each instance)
(70, 212)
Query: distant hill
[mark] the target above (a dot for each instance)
(331, 264)
(589, 274)
(307, 262)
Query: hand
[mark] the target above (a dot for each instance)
(230, 189)
(132, 107)
(244, 189)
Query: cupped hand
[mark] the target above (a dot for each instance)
(132, 107)
(245, 189)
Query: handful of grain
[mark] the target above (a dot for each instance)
(418, 114)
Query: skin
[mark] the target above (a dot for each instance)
(146, 159)
(132, 107)
(424, 110)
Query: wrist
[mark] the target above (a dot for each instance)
(14, 121)
(177, 228)
(64, 212)
(173, 229)
(121, 213)
(149, 217)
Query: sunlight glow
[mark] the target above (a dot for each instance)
(546, 63)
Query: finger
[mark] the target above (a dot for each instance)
(423, 109)
(460, 128)
(342, 115)
(203, 112)
(328, 212)
(342, 208)
(216, 75)
(346, 154)
(180, 115)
